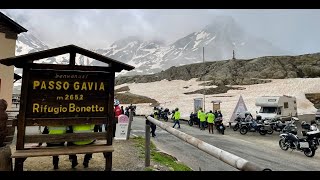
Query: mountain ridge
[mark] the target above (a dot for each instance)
(219, 39)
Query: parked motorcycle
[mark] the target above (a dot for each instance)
(193, 119)
(274, 125)
(252, 126)
(219, 125)
(307, 145)
(164, 114)
(238, 121)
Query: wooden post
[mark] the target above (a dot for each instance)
(72, 60)
(147, 145)
(130, 121)
(110, 122)
(108, 157)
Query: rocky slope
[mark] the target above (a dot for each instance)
(240, 72)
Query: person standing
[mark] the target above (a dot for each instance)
(210, 120)
(198, 116)
(122, 110)
(153, 126)
(215, 113)
(219, 114)
(176, 118)
(55, 130)
(117, 113)
(202, 117)
(81, 129)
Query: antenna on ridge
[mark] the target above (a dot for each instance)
(233, 56)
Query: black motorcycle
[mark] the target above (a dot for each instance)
(193, 119)
(274, 125)
(164, 114)
(252, 126)
(219, 125)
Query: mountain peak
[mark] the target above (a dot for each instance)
(220, 22)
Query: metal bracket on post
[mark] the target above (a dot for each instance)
(147, 144)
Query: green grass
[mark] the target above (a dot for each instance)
(161, 158)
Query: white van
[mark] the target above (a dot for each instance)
(282, 107)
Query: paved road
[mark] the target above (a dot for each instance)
(263, 150)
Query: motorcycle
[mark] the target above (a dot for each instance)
(238, 121)
(274, 125)
(164, 114)
(219, 125)
(193, 119)
(252, 126)
(307, 145)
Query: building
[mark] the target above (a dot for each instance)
(9, 31)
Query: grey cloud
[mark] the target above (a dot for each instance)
(292, 30)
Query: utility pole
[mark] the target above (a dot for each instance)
(204, 87)
(233, 56)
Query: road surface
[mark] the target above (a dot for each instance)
(262, 150)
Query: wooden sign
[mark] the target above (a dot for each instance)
(67, 93)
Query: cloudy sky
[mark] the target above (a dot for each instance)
(296, 31)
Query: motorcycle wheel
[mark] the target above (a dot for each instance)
(262, 131)
(243, 130)
(270, 131)
(283, 145)
(236, 127)
(190, 123)
(309, 152)
(166, 119)
(222, 131)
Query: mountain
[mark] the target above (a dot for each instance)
(238, 72)
(219, 39)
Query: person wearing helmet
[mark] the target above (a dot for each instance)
(156, 113)
(176, 118)
(248, 116)
(117, 112)
(313, 126)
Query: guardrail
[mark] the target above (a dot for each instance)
(231, 159)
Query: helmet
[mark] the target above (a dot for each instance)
(177, 109)
(303, 123)
(313, 122)
(154, 108)
(116, 102)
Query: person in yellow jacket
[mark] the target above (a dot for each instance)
(176, 117)
(55, 130)
(210, 120)
(81, 129)
(202, 117)
(198, 115)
